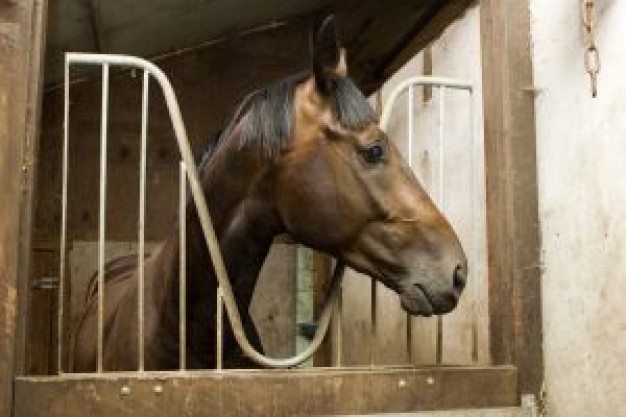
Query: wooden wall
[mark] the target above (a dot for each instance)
(21, 31)
(209, 82)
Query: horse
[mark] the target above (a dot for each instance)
(304, 157)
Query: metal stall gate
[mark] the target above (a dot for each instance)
(406, 92)
(235, 392)
(404, 96)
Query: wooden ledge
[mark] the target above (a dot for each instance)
(313, 391)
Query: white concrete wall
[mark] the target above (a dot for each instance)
(581, 151)
(581, 156)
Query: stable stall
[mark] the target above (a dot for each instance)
(374, 359)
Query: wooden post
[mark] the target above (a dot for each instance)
(21, 46)
(512, 210)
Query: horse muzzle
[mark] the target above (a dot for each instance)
(416, 299)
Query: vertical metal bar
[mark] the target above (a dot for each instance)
(102, 214)
(62, 245)
(442, 109)
(439, 341)
(474, 238)
(142, 221)
(410, 128)
(338, 321)
(441, 197)
(411, 135)
(373, 284)
(182, 270)
(219, 333)
(373, 320)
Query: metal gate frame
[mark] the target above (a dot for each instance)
(188, 171)
(443, 84)
(246, 392)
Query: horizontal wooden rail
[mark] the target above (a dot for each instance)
(313, 391)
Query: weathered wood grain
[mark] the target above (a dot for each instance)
(268, 393)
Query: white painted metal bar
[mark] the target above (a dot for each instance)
(204, 216)
(142, 222)
(182, 270)
(63, 243)
(441, 198)
(338, 326)
(432, 81)
(102, 212)
(473, 188)
(373, 320)
(410, 121)
(219, 330)
(410, 133)
(442, 137)
(373, 282)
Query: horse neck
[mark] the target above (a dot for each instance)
(236, 185)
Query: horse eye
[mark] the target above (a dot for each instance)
(373, 154)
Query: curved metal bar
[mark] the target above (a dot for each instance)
(432, 81)
(205, 219)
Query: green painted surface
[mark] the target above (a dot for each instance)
(304, 294)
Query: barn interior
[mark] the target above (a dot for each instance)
(549, 339)
(214, 53)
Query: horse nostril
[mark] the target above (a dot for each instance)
(459, 277)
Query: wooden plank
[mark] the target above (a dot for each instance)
(484, 412)
(273, 307)
(40, 349)
(512, 210)
(9, 205)
(20, 24)
(276, 393)
(30, 151)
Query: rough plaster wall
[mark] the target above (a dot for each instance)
(581, 150)
(455, 54)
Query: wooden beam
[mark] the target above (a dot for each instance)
(30, 152)
(376, 48)
(21, 25)
(425, 30)
(512, 209)
(95, 17)
(275, 392)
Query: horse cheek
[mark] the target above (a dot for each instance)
(310, 204)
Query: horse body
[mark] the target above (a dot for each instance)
(304, 157)
(243, 223)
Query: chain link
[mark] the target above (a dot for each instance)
(592, 55)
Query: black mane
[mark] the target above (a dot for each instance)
(266, 115)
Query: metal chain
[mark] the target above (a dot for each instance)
(592, 55)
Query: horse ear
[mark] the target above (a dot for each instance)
(328, 58)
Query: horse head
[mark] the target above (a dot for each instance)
(343, 187)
